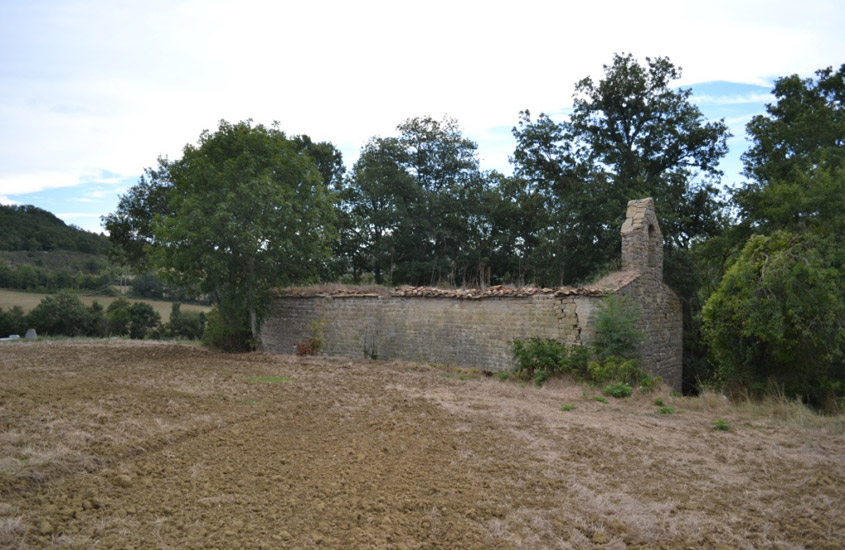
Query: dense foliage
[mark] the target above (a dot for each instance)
(39, 252)
(776, 315)
(244, 210)
(12, 321)
(416, 208)
(611, 357)
(37, 278)
(615, 325)
(630, 135)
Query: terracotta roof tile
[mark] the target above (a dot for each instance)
(606, 285)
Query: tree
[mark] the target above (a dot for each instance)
(97, 325)
(131, 226)
(185, 324)
(118, 317)
(60, 314)
(647, 135)
(803, 129)
(777, 316)
(415, 201)
(796, 161)
(776, 313)
(326, 156)
(142, 319)
(377, 200)
(630, 135)
(242, 211)
(12, 321)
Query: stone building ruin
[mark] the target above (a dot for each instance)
(474, 328)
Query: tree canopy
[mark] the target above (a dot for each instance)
(244, 210)
(797, 155)
(630, 135)
(415, 203)
(777, 312)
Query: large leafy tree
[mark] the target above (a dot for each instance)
(378, 197)
(777, 316)
(416, 200)
(630, 135)
(797, 155)
(244, 210)
(777, 312)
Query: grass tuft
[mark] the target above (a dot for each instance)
(269, 379)
(721, 426)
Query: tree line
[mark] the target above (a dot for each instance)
(249, 208)
(64, 314)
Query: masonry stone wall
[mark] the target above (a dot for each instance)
(476, 331)
(472, 333)
(661, 321)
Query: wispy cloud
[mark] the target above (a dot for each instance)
(17, 184)
(743, 99)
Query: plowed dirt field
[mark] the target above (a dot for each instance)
(152, 445)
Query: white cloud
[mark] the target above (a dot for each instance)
(734, 99)
(19, 184)
(6, 201)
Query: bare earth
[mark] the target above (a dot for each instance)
(151, 445)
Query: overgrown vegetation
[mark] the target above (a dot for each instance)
(220, 334)
(775, 317)
(55, 270)
(612, 356)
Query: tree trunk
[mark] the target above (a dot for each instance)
(253, 326)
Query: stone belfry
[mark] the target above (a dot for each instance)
(642, 242)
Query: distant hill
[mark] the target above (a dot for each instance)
(33, 229)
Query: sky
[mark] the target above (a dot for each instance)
(92, 92)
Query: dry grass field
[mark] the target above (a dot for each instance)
(153, 445)
(28, 300)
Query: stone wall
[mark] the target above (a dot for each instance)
(662, 322)
(467, 332)
(474, 328)
(472, 333)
